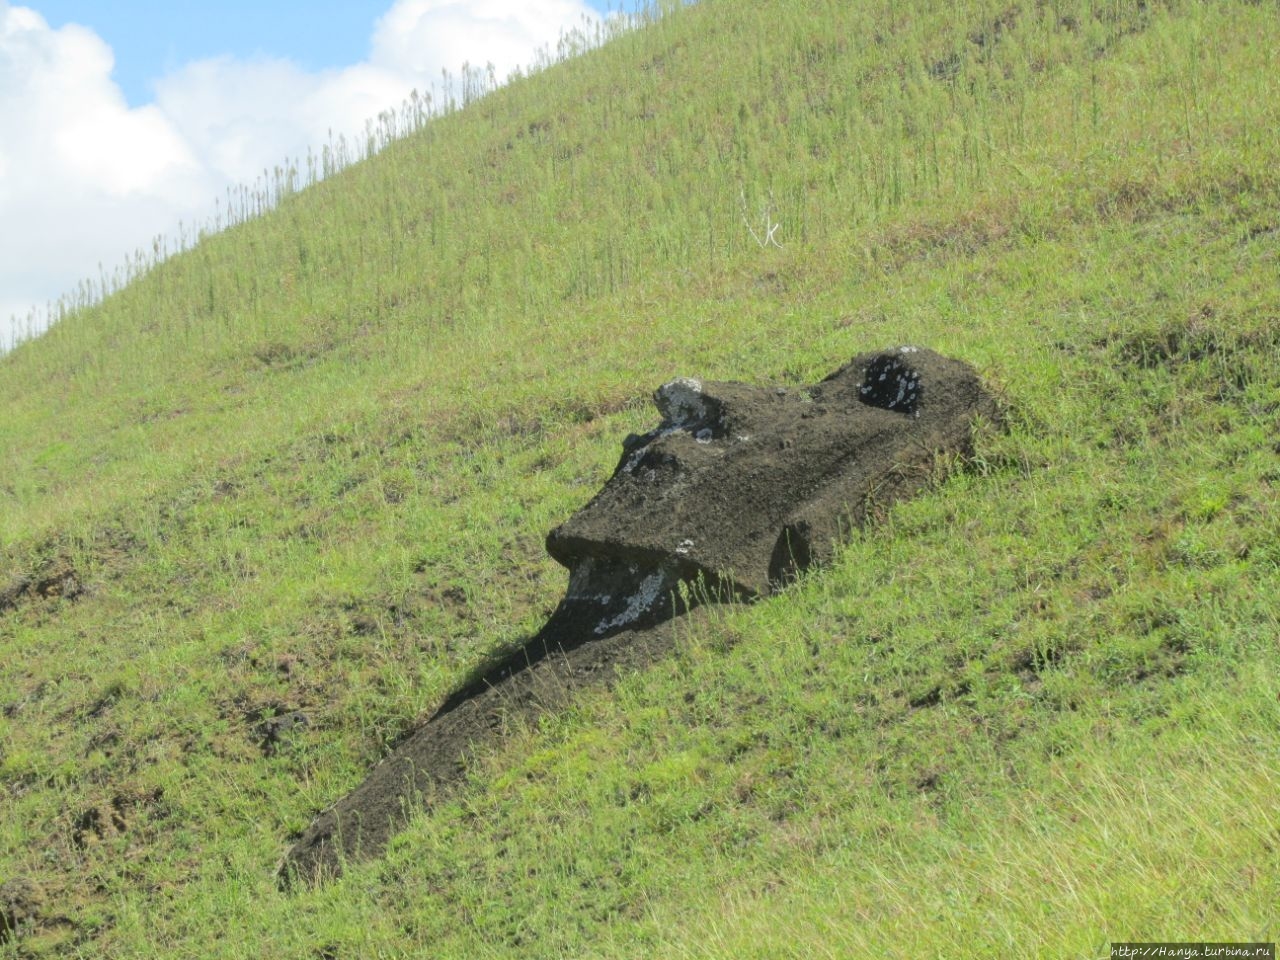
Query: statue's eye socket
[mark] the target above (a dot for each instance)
(890, 385)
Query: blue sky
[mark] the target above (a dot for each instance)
(121, 120)
(153, 37)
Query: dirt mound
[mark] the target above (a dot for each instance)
(56, 578)
(107, 821)
(21, 902)
(561, 660)
(737, 490)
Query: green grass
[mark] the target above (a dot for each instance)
(309, 463)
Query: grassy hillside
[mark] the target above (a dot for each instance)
(307, 466)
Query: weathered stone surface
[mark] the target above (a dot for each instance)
(737, 488)
(742, 486)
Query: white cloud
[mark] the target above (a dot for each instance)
(85, 179)
(422, 36)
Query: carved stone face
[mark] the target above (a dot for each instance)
(736, 490)
(741, 487)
